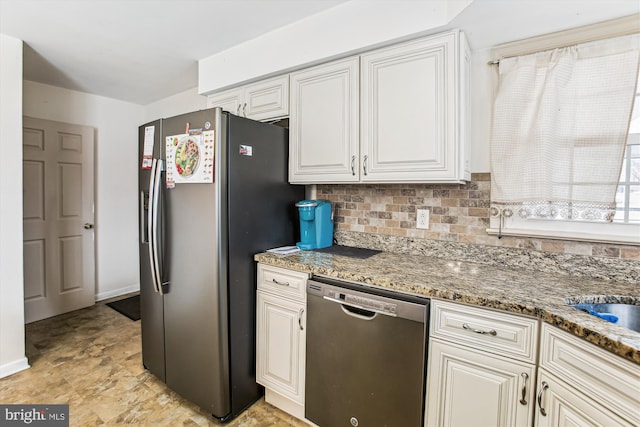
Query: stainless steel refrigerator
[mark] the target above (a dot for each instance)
(213, 191)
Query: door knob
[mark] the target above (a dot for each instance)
(88, 226)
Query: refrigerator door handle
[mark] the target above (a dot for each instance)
(156, 198)
(150, 218)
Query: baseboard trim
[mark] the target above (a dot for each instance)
(14, 367)
(117, 292)
(285, 404)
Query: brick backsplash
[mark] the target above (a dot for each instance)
(458, 213)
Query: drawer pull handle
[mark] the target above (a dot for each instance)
(300, 319)
(524, 377)
(280, 283)
(543, 411)
(478, 331)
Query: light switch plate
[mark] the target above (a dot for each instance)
(422, 218)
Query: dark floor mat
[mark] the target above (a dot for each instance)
(130, 307)
(349, 251)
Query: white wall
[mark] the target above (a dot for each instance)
(481, 98)
(12, 355)
(116, 169)
(180, 103)
(116, 153)
(347, 28)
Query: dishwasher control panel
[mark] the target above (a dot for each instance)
(369, 299)
(363, 302)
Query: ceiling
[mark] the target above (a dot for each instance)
(137, 50)
(145, 50)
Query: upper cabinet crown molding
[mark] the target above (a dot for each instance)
(400, 118)
(263, 100)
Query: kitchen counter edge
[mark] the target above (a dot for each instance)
(516, 291)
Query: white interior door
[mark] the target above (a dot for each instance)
(58, 218)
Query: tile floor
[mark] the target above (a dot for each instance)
(91, 360)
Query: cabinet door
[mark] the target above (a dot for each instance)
(323, 124)
(409, 112)
(605, 378)
(472, 388)
(230, 100)
(280, 345)
(561, 405)
(267, 99)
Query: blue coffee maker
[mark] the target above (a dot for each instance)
(316, 224)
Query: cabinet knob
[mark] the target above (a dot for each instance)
(88, 226)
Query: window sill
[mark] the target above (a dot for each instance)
(626, 239)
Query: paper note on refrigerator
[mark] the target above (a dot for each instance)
(147, 150)
(190, 158)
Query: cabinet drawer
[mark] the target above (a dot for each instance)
(599, 374)
(493, 331)
(282, 281)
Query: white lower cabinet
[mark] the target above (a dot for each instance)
(281, 337)
(481, 367)
(281, 345)
(580, 384)
(482, 372)
(562, 405)
(475, 390)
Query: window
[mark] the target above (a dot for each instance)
(559, 133)
(628, 194)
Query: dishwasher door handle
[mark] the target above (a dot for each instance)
(359, 307)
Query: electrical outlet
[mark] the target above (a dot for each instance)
(422, 218)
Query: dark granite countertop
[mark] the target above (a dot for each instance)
(524, 292)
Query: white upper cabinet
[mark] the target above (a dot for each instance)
(230, 100)
(408, 126)
(412, 99)
(264, 100)
(323, 124)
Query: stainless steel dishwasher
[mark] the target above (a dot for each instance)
(366, 355)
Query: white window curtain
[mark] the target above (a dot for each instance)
(559, 131)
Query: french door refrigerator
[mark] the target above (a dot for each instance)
(213, 191)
